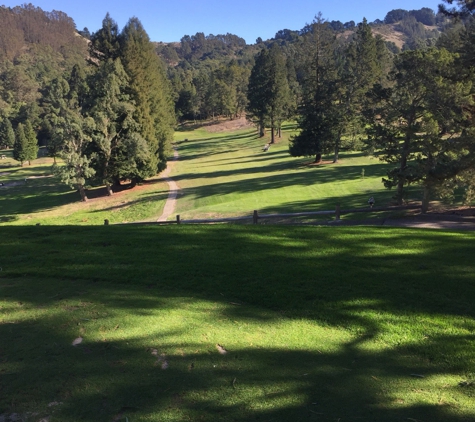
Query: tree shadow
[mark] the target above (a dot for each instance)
(366, 282)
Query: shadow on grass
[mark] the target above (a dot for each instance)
(357, 280)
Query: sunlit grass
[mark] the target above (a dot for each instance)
(229, 174)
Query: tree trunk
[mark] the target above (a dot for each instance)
(272, 132)
(337, 148)
(262, 129)
(110, 192)
(82, 191)
(425, 199)
(318, 157)
(337, 152)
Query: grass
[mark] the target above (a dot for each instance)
(229, 174)
(229, 323)
(32, 195)
(324, 324)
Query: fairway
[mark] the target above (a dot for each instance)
(230, 174)
(261, 323)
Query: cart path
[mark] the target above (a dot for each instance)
(173, 190)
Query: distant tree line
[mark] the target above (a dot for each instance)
(106, 102)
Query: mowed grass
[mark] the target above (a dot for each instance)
(318, 323)
(221, 174)
(228, 174)
(32, 195)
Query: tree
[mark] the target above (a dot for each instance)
(150, 91)
(114, 125)
(269, 97)
(318, 120)
(465, 8)
(32, 142)
(360, 66)
(75, 130)
(395, 15)
(55, 102)
(257, 91)
(7, 135)
(421, 123)
(20, 147)
(105, 42)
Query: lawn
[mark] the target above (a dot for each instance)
(236, 323)
(229, 174)
(32, 195)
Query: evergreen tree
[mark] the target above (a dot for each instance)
(361, 67)
(20, 147)
(269, 94)
(318, 121)
(115, 127)
(150, 91)
(422, 123)
(70, 135)
(7, 135)
(105, 42)
(55, 102)
(258, 91)
(32, 142)
(75, 130)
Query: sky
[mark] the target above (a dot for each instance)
(170, 20)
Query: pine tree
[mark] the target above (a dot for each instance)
(318, 121)
(362, 67)
(55, 102)
(21, 147)
(268, 92)
(32, 142)
(7, 135)
(258, 91)
(75, 130)
(422, 123)
(105, 42)
(115, 127)
(150, 91)
(71, 133)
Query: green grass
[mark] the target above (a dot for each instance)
(319, 323)
(229, 174)
(44, 199)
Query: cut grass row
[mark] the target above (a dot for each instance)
(356, 324)
(229, 174)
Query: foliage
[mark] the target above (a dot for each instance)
(318, 120)
(20, 147)
(150, 92)
(269, 93)
(419, 122)
(7, 135)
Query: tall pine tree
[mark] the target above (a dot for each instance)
(269, 94)
(20, 148)
(150, 91)
(318, 121)
(7, 135)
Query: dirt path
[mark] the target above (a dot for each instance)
(173, 190)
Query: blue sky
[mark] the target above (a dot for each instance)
(169, 20)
